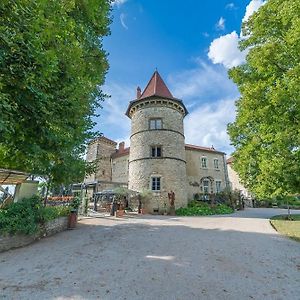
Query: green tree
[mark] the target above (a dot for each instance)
(266, 132)
(52, 65)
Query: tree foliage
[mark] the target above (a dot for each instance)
(266, 132)
(51, 66)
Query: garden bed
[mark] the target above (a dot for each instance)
(197, 208)
(23, 222)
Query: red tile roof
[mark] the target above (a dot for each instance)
(229, 160)
(119, 153)
(187, 147)
(201, 148)
(156, 87)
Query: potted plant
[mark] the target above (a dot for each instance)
(74, 206)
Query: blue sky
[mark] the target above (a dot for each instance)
(192, 43)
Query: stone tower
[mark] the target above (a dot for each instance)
(157, 148)
(101, 150)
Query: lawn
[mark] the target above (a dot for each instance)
(290, 228)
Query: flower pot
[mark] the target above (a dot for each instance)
(143, 211)
(72, 221)
(120, 213)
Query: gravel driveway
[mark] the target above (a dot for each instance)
(236, 256)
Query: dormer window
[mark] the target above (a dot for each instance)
(155, 124)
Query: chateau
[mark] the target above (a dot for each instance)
(158, 158)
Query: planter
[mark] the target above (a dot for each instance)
(120, 213)
(143, 211)
(72, 221)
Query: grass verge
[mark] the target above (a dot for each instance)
(290, 228)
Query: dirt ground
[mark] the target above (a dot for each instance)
(238, 256)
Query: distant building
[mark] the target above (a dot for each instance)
(158, 158)
(235, 183)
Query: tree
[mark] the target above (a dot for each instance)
(52, 65)
(266, 132)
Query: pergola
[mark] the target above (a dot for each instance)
(12, 176)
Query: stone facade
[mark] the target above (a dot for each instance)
(214, 171)
(158, 158)
(236, 184)
(101, 149)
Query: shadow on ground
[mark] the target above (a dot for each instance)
(155, 258)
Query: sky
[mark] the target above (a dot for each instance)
(192, 44)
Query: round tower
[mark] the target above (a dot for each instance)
(157, 149)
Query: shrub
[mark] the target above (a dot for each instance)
(52, 212)
(28, 215)
(21, 217)
(196, 208)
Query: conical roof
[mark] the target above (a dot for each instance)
(156, 87)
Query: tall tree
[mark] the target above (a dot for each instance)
(52, 65)
(266, 132)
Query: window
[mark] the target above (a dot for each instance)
(156, 151)
(216, 163)
(155, 124)
(218, 186)
(204, 162)
(205, 186)
(155, 183)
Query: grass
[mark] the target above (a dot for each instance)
(290, 228)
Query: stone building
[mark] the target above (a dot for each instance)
(235, 183)
(158, 159)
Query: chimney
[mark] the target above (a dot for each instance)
(121, 147)
(138, 93)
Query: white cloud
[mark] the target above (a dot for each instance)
(251, 8)
(220, 24)
(118, 2)
(204, 81)
(209, 96)
(207, 125)
(122, 20)
(230, 6)
(224, 50)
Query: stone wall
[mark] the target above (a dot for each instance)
(101, 149)
(235, 182)
(8, 242)
(120, 169)
(195, 171)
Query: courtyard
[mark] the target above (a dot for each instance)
(237, 256)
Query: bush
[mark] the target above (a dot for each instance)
(196, 208)
(280, 201)
(21, 217)
(52, 212)
(28, 215)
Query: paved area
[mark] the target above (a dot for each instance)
(237, 256)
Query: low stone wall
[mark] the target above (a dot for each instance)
(55, 226)
(8, 242)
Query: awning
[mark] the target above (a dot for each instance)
(12, 176)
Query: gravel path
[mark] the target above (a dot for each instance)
(237, 256)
